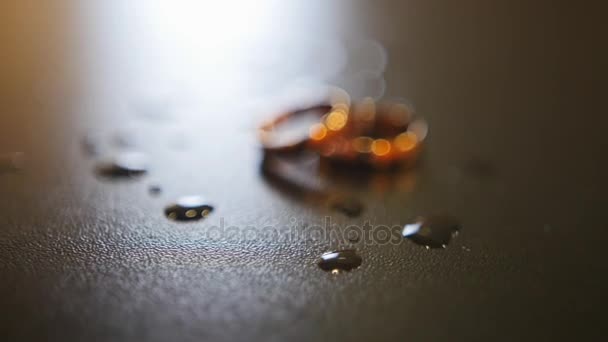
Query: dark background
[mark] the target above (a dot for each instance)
(515, 98)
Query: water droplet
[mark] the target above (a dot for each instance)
(188, 208)
(432, 232)
(154, 189)
(349, 206)
(344, 260)
(125, 164)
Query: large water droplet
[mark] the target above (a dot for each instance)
(432, 232)
(188, 208)
(125, 164)
(338, 261)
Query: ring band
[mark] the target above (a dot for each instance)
(379, 134)
(276, 135)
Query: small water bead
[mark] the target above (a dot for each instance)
(188, 208)
(338, 261)
(432, 232)
(125, 164)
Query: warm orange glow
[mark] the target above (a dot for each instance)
(336, 120)
(317, 132)
(406, 141)
(363, 144)
(381, 147)
(339, 98)
(341, 107)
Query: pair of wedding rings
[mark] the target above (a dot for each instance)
(370, 132)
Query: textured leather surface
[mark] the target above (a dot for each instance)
(516, 151)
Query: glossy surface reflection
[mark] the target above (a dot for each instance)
(124, 164)
(338, 261)
(188, 208)
(433, 231)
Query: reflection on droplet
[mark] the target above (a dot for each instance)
(125, 164)
(349, 206)
(338, 261)
(188, 208)
(432, 232)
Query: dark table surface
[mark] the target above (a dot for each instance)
(512, 91)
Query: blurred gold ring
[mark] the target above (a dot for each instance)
(276, 135)
(377, 134)
(290, 131)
